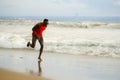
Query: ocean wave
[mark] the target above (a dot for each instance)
(9, 40)
(83, 47)
(86, 48)
(78, 24)
(65, 37)
(86, 24)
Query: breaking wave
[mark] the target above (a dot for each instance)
(86, 24)
(80, 24)
(78, 38)
(81, 47)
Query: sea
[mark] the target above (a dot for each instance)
(90, 36)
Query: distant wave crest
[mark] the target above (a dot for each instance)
(77, 24)
(86, 24)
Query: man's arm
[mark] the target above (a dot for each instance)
(33, 29)
(36, 26)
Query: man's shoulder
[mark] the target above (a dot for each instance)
(38, 24)
(41, 23)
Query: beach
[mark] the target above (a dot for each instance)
(10, 75)
(58, 66)
(73, 50)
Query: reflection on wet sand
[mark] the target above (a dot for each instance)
(39, 68)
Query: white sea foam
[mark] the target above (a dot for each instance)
(86, 24)
(8, 40)
(80, 24)
(79, 38)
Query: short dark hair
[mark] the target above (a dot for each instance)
(45, 20)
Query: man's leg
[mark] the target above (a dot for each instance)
(41, 48)
(34, 38)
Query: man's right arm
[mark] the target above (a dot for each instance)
(33, 29)
(37, 25)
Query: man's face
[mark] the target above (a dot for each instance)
(46, 23)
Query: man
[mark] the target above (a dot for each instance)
(37, 35)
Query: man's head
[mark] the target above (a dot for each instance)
(45, 22)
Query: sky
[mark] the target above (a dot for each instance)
(59, 7)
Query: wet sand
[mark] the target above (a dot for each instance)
(57, 66)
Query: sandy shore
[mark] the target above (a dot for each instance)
(10, 75)
(59, 66)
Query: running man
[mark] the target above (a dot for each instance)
(37, 35)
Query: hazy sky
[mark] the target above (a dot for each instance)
(59, 7)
